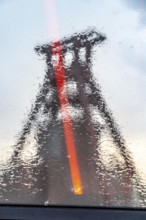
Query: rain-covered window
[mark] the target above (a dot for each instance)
(73, 102)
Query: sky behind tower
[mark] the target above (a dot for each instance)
(119, 64)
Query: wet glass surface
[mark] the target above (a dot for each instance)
(73, 103)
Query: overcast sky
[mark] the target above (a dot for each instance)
(119, 65)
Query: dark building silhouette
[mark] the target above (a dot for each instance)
(68, 168)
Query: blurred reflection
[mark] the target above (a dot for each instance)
(71, 151)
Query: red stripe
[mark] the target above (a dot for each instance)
(67, 124)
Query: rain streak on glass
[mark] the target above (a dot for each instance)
(70, 149)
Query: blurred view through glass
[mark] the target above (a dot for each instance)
(73, 102)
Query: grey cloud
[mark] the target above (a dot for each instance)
(138, 5)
